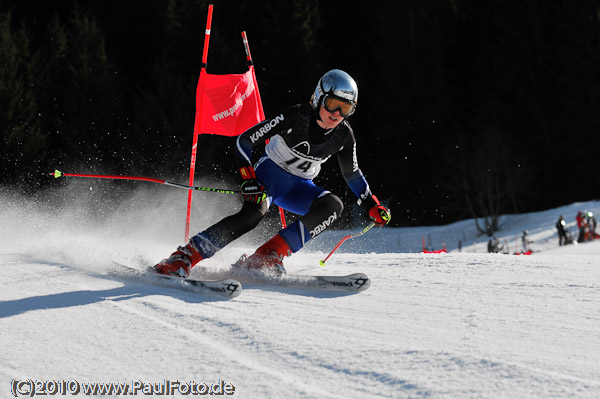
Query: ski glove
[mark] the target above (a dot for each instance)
(380, 214)
(252, 190)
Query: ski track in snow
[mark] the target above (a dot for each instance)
(457, 325)
(454, 325)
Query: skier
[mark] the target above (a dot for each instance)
(301, 138)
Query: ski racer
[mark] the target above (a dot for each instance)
(301, 138)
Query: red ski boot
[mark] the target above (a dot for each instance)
(180, 262)
(269, 257)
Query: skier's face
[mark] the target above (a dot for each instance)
(329, 120)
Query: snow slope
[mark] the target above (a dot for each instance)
(458, 325)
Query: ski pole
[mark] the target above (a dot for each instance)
(58, 173)
(353, 235)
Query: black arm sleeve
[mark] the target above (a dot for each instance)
(350, 171)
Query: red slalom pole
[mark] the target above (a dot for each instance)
(188, 215)
(246, 48)
(260, 107)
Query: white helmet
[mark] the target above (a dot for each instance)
(337, 84)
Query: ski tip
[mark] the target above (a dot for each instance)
(361, 281)
(366, 285)
(230, 287)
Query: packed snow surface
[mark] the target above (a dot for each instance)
(463, 324)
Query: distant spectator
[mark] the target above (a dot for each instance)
(494, 245)
(525, 240)
(561, 226)
(580, 219)
(580, 226)
(591, 225)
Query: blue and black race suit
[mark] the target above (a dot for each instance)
(296, 148)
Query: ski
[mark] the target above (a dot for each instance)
(356, 282)
(225, 288)
(353, 282)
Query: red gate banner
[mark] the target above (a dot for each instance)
(227, 105)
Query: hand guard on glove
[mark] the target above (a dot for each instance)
(252, 190)
(380, 214)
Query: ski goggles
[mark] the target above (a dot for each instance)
(332, 104)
